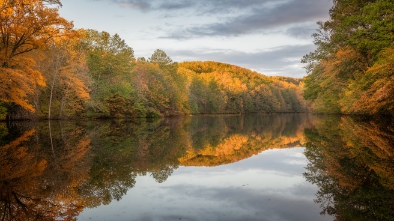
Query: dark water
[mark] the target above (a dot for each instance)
(254, 167)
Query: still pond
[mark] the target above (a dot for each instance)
(268, 167)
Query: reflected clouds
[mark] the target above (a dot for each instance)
(146, 170)
(247, 190)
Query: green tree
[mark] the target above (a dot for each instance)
(349, 45)
(110, 61)
(160, 56)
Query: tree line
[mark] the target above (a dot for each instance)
(351, 71)
(50, 70)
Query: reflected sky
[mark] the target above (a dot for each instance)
(268, 186)
(251, 167)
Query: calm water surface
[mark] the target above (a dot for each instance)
(254, 167)
(269, 186)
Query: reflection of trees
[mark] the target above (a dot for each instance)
(31, 186)
(54, 171)
(351, 161)
(122, 150)
(222, 140)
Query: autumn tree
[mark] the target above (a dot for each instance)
(372, 93)
(158, 89)
(223, 88)
(25, 26)
(352, 46)
(64, 66)
(152, 90)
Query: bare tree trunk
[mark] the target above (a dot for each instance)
(50, 98)
(56, 71)
(50, 137)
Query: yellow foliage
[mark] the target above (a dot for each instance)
(28, 25)
(18, 84)
(238, 147)
(380, 95)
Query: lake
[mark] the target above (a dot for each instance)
(274, 167)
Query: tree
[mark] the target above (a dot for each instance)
(223, 88)
(107, 55)
(350, 49)
(25, 26)
(64, 66)
(110, 61)
(159, 56)
(373, 92)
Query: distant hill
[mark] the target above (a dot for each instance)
(215, 87)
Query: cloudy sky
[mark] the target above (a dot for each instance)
(268, 36)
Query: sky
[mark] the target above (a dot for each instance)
(267, 36)
(268, 186)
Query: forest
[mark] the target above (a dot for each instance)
(49, 70)
(352, 69)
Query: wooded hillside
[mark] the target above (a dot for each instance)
(352, 70)
(50, 70)
(222, 88)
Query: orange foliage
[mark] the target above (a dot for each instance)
(379, 143)
(28, 25)
(238, 147)
(18, 84)
(38, 186)
(16, 162)
(377, 96)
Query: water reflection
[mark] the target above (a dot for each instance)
(55, 171)
(38, 180)
(351, 161)
(268, 186)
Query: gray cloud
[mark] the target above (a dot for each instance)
(238, 17)
(262, 18)
(176, 5)
(200, 6)
(137, 4)
(302, 31)
(195, 19)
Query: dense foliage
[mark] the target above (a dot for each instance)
(352, 69)
(222, 88)
(49, 70)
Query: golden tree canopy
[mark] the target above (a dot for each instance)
(25, 25)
